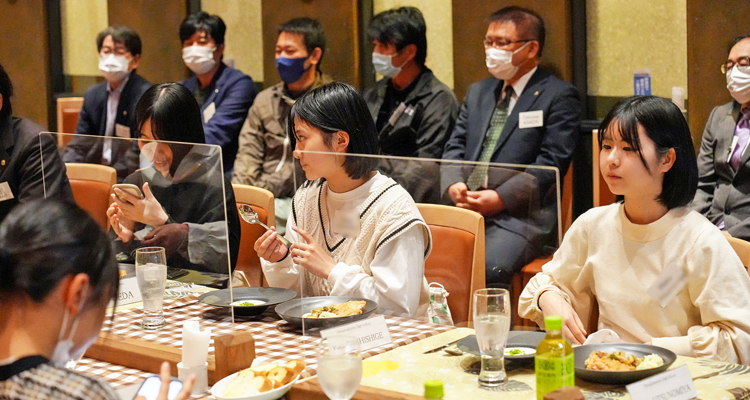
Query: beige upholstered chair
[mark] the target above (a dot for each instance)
(457, 258)
(92, 185)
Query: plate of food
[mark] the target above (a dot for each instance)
(262, 382)
(620, 363)
(325, 311)
(521, 345)
(248, 300)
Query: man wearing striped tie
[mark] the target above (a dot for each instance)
(521, 115)
(723, 162)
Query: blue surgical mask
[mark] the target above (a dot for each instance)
(291, 69)
(384, 65)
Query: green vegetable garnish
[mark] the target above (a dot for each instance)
(611, 356)
(246, 303)
(516, 352)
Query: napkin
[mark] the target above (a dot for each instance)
(194, 344)
(603, 336)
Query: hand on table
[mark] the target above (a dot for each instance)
(269, 247)
(122, 226)
(146, 210)
(166, 378)
(311, 255)
(169, 236)
(552, 303)
(486, 202)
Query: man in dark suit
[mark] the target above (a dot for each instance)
(22, 176)
(723, 161)
(224, 94)
(109, 107)
(522, 115)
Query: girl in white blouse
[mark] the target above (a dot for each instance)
(354, 231)
(619, 256)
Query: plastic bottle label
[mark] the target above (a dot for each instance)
(553, 372)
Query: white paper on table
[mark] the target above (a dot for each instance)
(603, 336)
(194, 344)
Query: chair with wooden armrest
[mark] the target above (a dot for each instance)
(457, 258)
(68, 110)
(262, 202)
(92, 185)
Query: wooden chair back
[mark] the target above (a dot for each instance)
(457, 258)
(92, 185)
(68, 109)
(742, 248)
(262, 202)
(602, 195)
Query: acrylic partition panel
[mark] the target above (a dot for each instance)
(368, 240)
(188, 206)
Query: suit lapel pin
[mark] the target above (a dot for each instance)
(536, 93)
(124, 112)
(2, 162)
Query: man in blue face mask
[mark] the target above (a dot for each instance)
(413, 111)
(265, 157)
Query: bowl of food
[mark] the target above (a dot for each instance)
(325, 311)
(262, 382)
(521, 345)
(247, 300)
(620, 363)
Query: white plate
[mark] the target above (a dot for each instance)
(217, 390)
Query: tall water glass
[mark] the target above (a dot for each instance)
(339, 366)
(151, 272)
(492, 325)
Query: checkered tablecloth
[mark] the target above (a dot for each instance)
(275, 340)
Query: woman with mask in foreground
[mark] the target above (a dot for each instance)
(57, 274)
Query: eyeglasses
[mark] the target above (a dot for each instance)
(729, 64)
(502, 43)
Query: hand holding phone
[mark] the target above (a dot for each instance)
(128, 188)
(164, 387)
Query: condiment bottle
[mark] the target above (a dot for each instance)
(433, 389)
(553, 361)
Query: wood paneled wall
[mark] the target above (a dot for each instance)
(24, 54)
(340, 23)
(157, 23)
(470, 25)
(711, 25)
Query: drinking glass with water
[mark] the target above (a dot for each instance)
(339, 366)
(492, 325)
(151, 273)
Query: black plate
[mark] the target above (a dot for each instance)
(292, 311)
(271, 296)
(522, 339)
(620, 377)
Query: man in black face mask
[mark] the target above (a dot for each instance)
(265, 157)
(723, 162)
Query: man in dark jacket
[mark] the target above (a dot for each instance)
(521, 115)
(413, 111)
(109, 107)
(30, 167)
(224, 94)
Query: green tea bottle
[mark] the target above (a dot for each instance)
(553, 361)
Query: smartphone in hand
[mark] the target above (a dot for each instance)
(128, 187)
(150, 388)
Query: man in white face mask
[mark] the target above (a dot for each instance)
(723, 164)
(520, 115)
(223, 93)
(413, 111)
(109, 107)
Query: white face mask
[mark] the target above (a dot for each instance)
(114, 68)
(738, 83)
(384, 65)
(63, 350)
(500, 62)
(200, 59)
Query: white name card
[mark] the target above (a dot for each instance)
(371, 332)
(128, 292)
(531, 119)
(676, 384)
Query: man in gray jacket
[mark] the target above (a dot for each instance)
(413, 111)
(265, 157)
(723, 162)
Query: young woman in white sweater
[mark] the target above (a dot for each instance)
(612, 255)
(354, 231)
